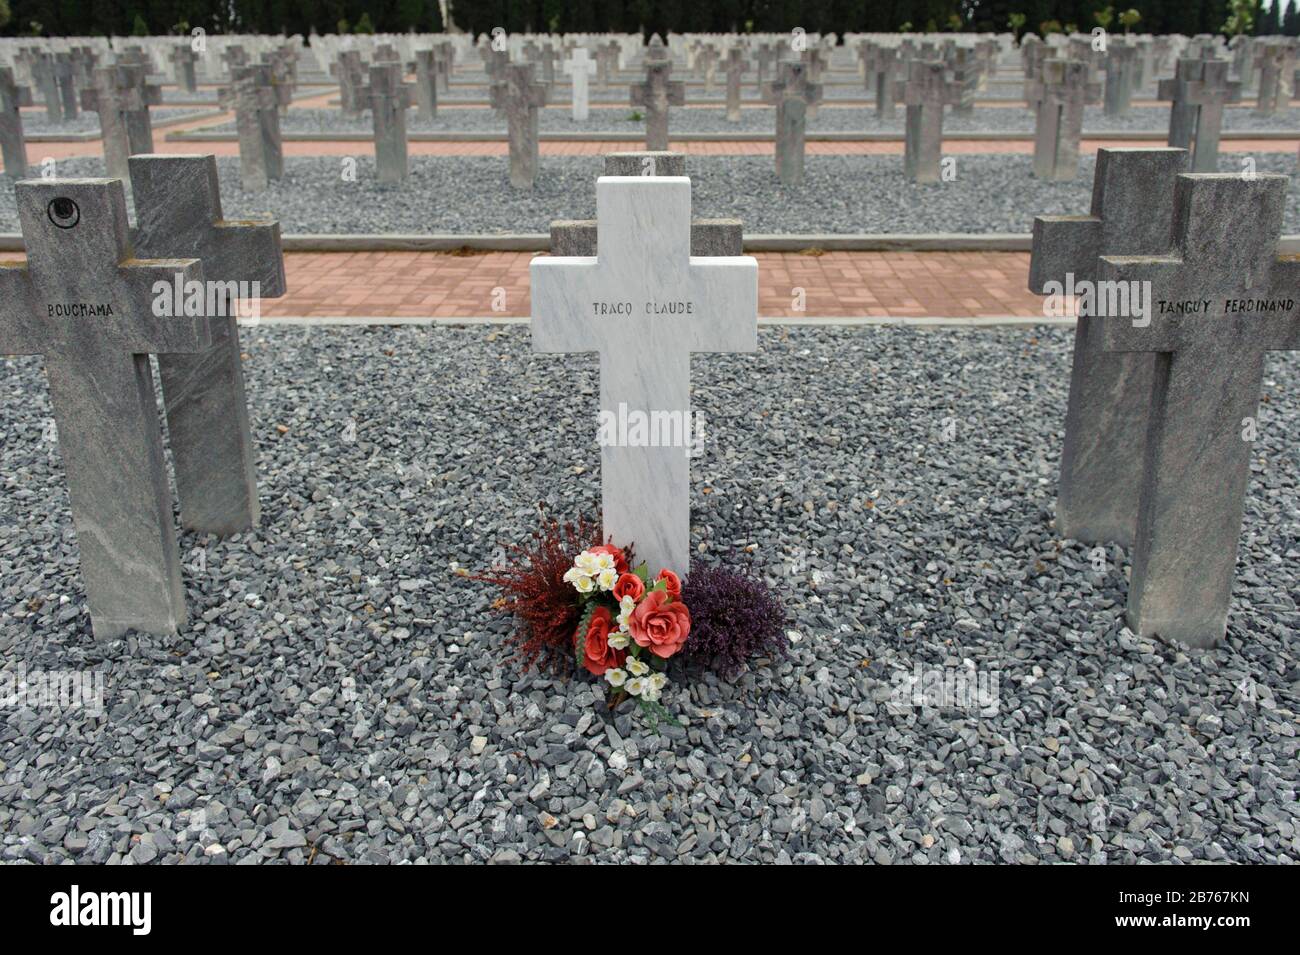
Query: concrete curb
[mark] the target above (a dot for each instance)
(197, 116)
(864, 321)
(540, 242)
(1154, 135)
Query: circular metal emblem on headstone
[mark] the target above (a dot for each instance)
(63, 212)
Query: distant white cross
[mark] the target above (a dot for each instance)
(580, 68)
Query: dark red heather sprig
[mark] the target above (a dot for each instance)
(536, 593)
(734, 617)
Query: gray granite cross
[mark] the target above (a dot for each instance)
(1110, 393)
(882, 77)
(12, 148)
(734, 67)
(43, 76)
(122, 103)
(792, 95)
(257, 124)
(350, 73)
(767, 56)
(712, 237)
(390, 98)
(65, 75)
(926, 93)
(426, 85)
(178, 212)
(1272, 56)
(1059, 94)
(1221, 300)
(183, 58)
(645, 304)
(520, 98)
(655, 96)
(86, 303)
(1121, 63)
(1208, 94)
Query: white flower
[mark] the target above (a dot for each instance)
(607, 578)
(637, 667)
(571, 576)
(618, 641)
(649, 693)
(626, 606)
(588, 563)
(604, 561)
(635, 686)
(616, 676)
(584, 584)
(659, 681)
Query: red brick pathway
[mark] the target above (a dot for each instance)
(835, 284)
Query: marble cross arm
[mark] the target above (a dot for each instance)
(140, 283)
(20, 330)
(726, 287)
(1061, 245)
(563, 288)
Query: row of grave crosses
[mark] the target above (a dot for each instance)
(1154, 456)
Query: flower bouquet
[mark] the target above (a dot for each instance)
(629, 625)
(587, 604)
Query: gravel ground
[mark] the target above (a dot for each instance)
(37, 121)
(341, 693)
(853, 194)
(759, 120)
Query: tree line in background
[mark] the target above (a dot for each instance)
(154, 17)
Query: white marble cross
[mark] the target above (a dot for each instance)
(580, 68)
(644, 303)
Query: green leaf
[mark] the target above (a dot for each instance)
(643, 572)
(584, 622)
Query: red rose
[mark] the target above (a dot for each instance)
(620, 559)
(598, 656)
(660, 624)
(628, 585)
(672, 581)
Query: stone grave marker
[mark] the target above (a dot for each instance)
(350, 72)
(734, 67)
(65, 75)
(13, 150)
(183, 59)
(791, 93)
(1110, 392)
(178, 211)
(644, 305)
(1059, 94)
(712, 237)
(1220, 301)
(390, 98)
(655, 96)
(520, 98)
(257, 124)
(579, 67)
(1199, 93)
(925, 94)
(85, 302)
(883, 78)
(1271, 60)
(1121, 64)
(47, 81)
(122, 103)
(426, 85)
